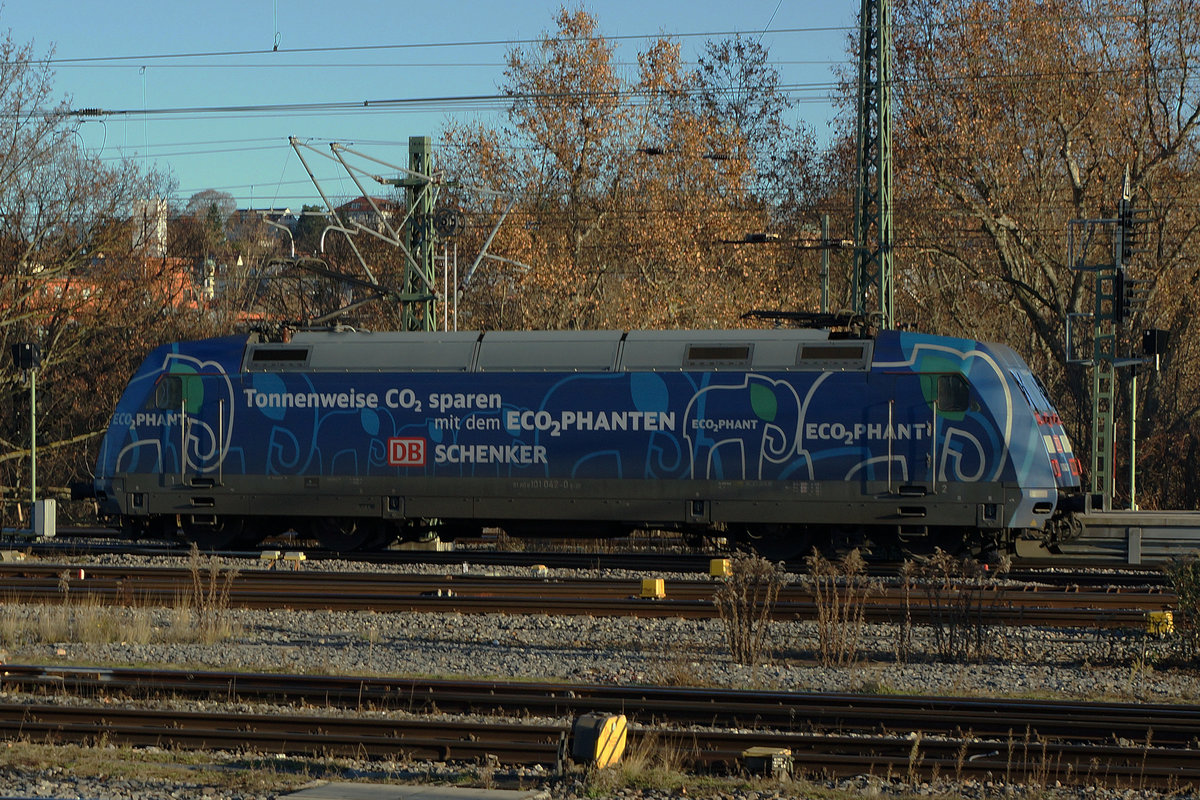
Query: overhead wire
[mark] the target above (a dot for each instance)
(141, 58)
(1065, 19)
(439, 102)
(396, 64)
(797, 92)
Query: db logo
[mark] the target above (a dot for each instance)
(406, 452)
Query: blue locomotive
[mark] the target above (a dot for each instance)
(784, 439)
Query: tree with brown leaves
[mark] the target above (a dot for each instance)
(629, 197)
(1015, 117)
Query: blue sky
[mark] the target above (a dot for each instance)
(137, 57)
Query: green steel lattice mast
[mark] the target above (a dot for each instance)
(420, 312)
(873, 180)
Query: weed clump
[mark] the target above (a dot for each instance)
(958, 592)
(745, 601)
(81, 616)
(211, 586)
(1184, 577)
(840, 590)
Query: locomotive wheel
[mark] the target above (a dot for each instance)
(221, 535)
(158, 528)
(345, 535)
(778, 542)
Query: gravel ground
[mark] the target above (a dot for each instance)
(1078, 663)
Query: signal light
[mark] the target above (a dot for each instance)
(27, 355)
(1129, 295)
(1127, 231)
(1137, 292)
(1155, 342)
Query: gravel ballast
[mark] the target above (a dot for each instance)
(1022, 662)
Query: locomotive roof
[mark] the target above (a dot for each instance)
(561, 351)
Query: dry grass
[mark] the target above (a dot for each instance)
(201, 616)
(210, 597)
(682, 667)
(84, 621)
(658, 762)
(174, 768)
(957, 591)
(653, 761)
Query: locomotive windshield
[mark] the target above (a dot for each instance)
(1058, 446)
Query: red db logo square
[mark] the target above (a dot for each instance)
(406, 452)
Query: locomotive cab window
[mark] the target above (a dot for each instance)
(953, 393)
(168, 394)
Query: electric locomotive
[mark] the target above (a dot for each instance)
(784, 439)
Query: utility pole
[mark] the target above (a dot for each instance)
(824, 263)
(873, 175)
(416, 238)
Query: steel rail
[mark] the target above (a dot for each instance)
(292, 733)
(1015, 758)
(616, 558)
(1074, 617)
(392, 582)
(1057, 569)
(265, 589)
(1079, 722)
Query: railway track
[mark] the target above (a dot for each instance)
(1130, 745)
(1079, 722)
(1064, 570)
(392, 592)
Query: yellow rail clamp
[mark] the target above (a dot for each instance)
(653, 588)
(770, 762)
(719, 568)
(598, 739)
(269, 555)
(1160, 622)
(295, 558)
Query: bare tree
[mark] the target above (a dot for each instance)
(71, 279)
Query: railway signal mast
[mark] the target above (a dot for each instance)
(1117, 297)
(27, 357)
